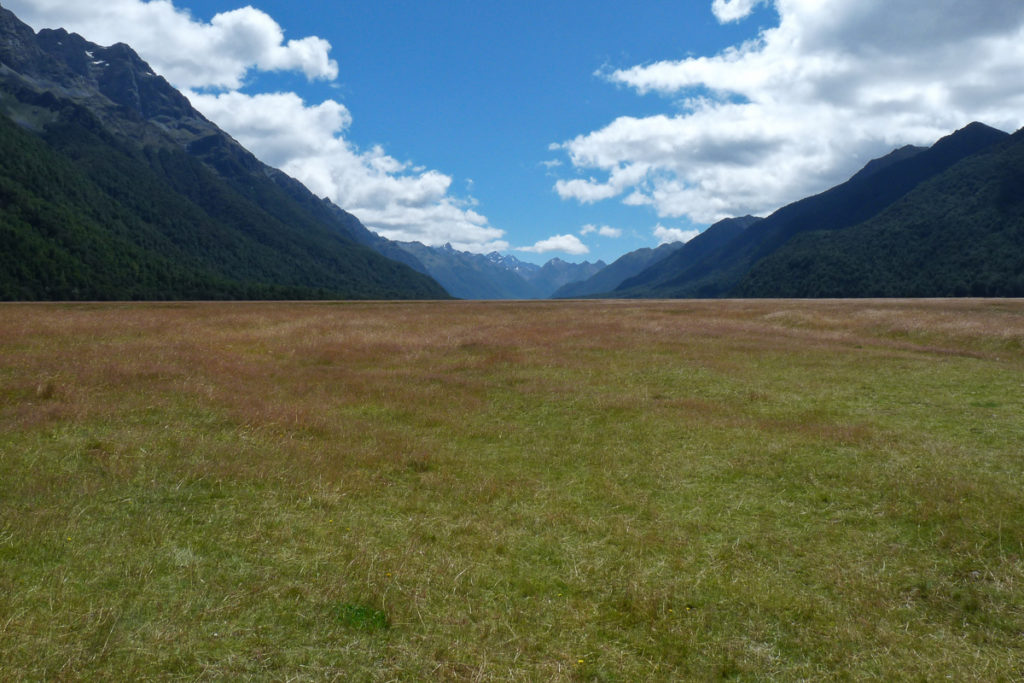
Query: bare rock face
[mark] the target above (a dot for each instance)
(113, 83)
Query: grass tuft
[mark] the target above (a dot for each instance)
(362, 617)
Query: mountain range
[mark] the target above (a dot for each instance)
(959, 233)
(946, 220)
(626, 266)
(112, 186)
(467, 275)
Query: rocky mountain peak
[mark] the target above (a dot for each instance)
(114, 83)
(18, 46)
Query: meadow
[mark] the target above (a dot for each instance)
(578, 491)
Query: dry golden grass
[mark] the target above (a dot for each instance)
(513, 491)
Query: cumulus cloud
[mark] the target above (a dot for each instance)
(189, 53)
(569, 244)
(733, 10)
(604, 231)
(210, 62)
(668, 235)
(389, 196)
(804, 105)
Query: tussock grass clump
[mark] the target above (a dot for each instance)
(604, 491)
(363, 617)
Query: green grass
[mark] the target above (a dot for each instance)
(606, 491)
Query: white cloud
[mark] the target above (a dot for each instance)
(189, 53)
(570, 244)
(733, 10)
(804, 105)
(389, 196)
(668, 235)
(591, 190)
(604, 231)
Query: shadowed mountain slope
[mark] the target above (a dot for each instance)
(608, 278)
(866, 194)
(113, 187)
(701, 248)
(960, 233)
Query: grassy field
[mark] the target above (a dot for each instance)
(607, 491)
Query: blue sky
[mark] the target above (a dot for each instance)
(481, 90)
(574, 129)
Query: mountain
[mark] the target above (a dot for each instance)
(704, 246)
(467, 275)
(961, 233)
(113, 187)
(558, 273)
(876, 165)
(510, 262)
(866, 194)
(611, 276)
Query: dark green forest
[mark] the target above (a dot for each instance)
(85, 215)
(958, 234)
(112, 187)
(942, 221)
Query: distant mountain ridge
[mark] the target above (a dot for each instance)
(510, 262)
(626, 266)
(556, 273)
(113, 187)
(467, 275)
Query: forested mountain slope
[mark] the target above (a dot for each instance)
(701, 249)
(113, 187)
(880, 184)
(958, 234)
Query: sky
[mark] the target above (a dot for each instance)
(581, 129)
